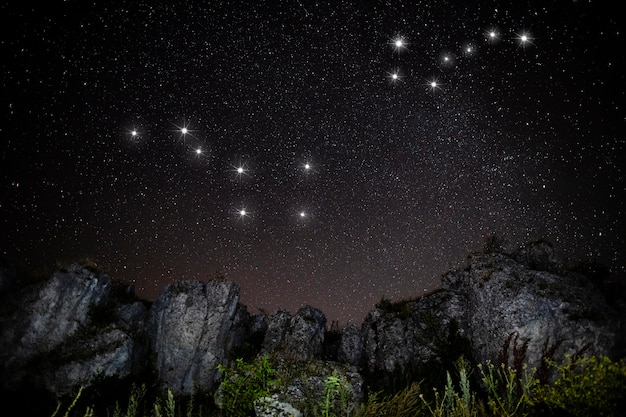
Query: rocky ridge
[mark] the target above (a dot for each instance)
(79, 326)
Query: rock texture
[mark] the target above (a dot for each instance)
(500, 305)
(192, 326)
(545, 311)
(77, 325)
(65, 332)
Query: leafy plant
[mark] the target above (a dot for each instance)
(245, 382)
(586, 386)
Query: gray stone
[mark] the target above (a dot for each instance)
(350, 349)
(276, 330)
(305, 335)
(271, 407)
(107, 354)
(49, 313)
(189, 328)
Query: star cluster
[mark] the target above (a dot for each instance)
(315, 153)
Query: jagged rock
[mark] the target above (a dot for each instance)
(305, 335)
(258, 324)
(65, 332)
(271, 407)
(397, 337)
(104, 354)
(276, 329)
(42, 317)
(190, 328)
(512, 303)
(350, 349)
(133, 316)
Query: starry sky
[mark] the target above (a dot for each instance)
(324, 153)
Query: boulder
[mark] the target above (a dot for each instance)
(513, 309)
(272, 407)
(350, 348)
(304, 338)
(190, 328)
(276, 330)
(40, 318)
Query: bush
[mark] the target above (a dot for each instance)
(586, 386)
(245, 382)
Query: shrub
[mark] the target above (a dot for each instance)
(245, 382)
(586, 386)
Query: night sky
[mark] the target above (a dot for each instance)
(324, 153)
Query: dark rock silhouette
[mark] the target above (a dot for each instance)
(78, 325)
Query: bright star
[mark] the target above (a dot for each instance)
(394, 77)
(240, 170)
(134, 134)
(492, 35)
(398, 43)
(302, 214)
(524, 39)
(242, 213)
(184, 131)
(434, 84)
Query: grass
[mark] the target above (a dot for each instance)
(586, 386)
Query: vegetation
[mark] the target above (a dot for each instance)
(586, 386)
(244, 383)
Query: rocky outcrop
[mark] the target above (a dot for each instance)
(67, 331)
(523, 304)
(507, 301)
(299, 338)
(192, 326)
(305, 335)
(78, 325)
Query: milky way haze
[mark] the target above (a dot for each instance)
(318, 153)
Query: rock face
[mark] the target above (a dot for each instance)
(305, 335)
(545, 313)
(499, 306)
(64, 332)
(192, 326)
(299, 338)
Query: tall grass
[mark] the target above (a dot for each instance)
(586, 386)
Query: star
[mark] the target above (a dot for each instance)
(524, 39)
(394, 76)
(242, 213)
(492, 35)
(446, 59)
(398, 43)
(240, 170)
(434, 84)
(184, 131)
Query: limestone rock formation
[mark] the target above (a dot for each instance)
(544, 312)
(191, 327)
(67, 331)
(305, 335)
(276, 330)
(522, 304)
